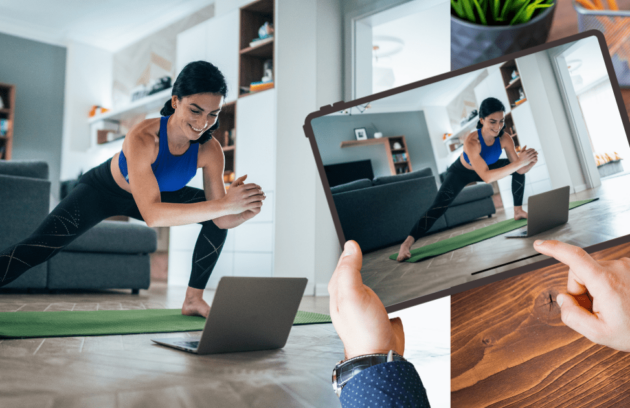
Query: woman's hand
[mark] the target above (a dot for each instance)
(527, 156)
(357, 313)
(605, 320)
(243, 197)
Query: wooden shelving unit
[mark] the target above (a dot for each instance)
(512, 88)
(226, 136)
(7, 94)
(396, 165)
(252, 59)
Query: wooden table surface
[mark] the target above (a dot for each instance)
(509, 347)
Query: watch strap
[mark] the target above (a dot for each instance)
(346, 370)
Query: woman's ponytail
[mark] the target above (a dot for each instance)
(167, 110)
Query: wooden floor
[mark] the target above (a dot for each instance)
(130, 371)
(600, 221)
(509, 348)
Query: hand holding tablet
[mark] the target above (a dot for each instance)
(357, 313)
(607, 283)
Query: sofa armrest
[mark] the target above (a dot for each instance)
(24, 203)
(24, 168)
(383, 215)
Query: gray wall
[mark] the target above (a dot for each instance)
(330, 131)
(38, 72)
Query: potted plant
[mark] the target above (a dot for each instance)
(486, 29)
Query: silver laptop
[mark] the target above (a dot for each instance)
(545, 211)
(246, 314)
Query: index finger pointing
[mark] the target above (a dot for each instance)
(582, 265)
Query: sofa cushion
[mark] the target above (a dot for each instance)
(116, 237)
(473, 193)
(24, 168)
(379, 181)
(351, 186)
(81, 270)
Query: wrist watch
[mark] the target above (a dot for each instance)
(345, 370)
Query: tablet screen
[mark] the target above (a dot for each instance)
(433, 179)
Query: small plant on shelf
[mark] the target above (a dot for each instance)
(499, 12)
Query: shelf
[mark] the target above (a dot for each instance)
(5, 110)
(399, 150)
(467, 128)
(265, 50)
(254, 93)
(514, 84)
(228, 148)
(112, 141)
(366, 142)
(145, 105)
(400, 162)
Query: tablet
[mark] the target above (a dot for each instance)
(393, 168)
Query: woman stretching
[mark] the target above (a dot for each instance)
(479, 162)
(147, 181)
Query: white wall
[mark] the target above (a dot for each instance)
(438, 123)
(561, 121)
(88, 82)
(304, 236)
(550, 120)
(296, 176)
(329, 90)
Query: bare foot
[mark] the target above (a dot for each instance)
(405, 249)
(194, 305)
(519, 213)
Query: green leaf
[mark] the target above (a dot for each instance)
(458, 9)
(518, 14)
(470, 15)
(482, 16)
(506, 7)
(531, 9)
(495, 9)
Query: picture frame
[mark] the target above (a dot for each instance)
(360, 133)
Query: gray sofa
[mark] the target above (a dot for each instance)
(381, 212)
(112, 255)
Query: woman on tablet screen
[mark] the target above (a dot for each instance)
(479, 162)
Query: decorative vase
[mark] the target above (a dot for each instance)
(473, 43)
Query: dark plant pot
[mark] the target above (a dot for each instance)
(474, 43)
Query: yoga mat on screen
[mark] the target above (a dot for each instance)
(469, 238)
(109, 322)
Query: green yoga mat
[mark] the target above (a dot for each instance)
(469, 238)
(109, 322)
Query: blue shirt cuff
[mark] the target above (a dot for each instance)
(393, 384)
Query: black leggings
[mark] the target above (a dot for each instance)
(457, 177)
(95, 198)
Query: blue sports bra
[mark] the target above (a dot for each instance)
(172, 172)
(489, 153)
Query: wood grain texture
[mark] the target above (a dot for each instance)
(509, 348)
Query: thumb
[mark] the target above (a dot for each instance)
(580, 319)
(239, 180)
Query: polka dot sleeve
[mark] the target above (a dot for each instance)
(393, 384)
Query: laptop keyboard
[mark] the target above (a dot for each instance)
(190, 344)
